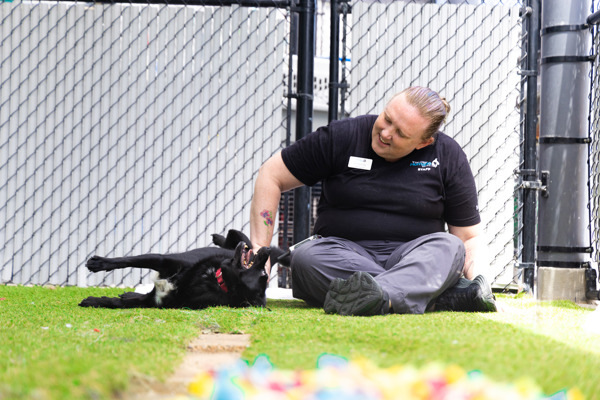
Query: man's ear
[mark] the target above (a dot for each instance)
(425, 143)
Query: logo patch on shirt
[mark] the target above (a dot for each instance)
(425, 165)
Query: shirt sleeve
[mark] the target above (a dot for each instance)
(461, 204)
(324, 152)
(308, 159)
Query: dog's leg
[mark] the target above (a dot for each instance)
(125, 300)
(164, 264)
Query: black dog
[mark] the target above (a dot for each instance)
(228, 275)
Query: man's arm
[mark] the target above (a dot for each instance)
(476, 254)
(273, 179)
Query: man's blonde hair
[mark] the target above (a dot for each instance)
(430, 105)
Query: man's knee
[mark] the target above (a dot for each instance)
(452, 241)
(308, 282)
(303, 257)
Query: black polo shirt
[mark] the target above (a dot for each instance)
(365, 197)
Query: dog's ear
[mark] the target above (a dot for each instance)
(234, 237)
(231, 241)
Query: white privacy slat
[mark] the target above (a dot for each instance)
(101, 127)
(190, 118)
(94, 236)
(179, 165)
(235, 73)
(244, 146)
(142, 77)
(202, 78)
(16, 191)
(48, 65)
(22, 223)
(84, 187)
(37, 114)
(224, 49)
(126, 140)
(144, 16)
(209, 126)
(155, 63)
(161, 153)
(113, 141)
(127, 197)
(6, 251)
(72, 146)
(54, 141)
(189, 136)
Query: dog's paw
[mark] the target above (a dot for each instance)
(95, 264)
(219, 240)
(88, 302)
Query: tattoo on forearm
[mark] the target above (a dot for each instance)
(268, 217)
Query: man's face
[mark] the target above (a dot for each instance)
(399, 130)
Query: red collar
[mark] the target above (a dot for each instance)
(219, 275)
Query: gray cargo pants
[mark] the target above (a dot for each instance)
(412, 273)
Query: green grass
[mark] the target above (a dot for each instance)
(52, 349)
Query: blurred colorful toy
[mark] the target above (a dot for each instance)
(337, 378)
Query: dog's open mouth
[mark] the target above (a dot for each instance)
(247, 258)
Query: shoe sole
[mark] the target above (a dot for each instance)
(358, 295)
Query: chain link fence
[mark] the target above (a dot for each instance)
(137, 128)
(594, 163)
(131, 128)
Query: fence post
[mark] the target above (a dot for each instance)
(334, 55)
(563, 236)
(304, 106)
(529, 171)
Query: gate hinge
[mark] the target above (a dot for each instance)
(541, 185)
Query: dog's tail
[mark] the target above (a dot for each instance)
(280, 256)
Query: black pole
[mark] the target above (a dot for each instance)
(530, 176)
(304, 107)
(334, 55)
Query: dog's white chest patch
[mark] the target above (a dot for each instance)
(210, 272)
(163, 287)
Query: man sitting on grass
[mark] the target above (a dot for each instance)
(390, 184)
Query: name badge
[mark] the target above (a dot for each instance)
(360, 163)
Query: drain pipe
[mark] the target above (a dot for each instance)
(563, 251)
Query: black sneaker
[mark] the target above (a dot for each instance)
(466, 295)
(357, 295)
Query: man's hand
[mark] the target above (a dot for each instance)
(476, 260)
